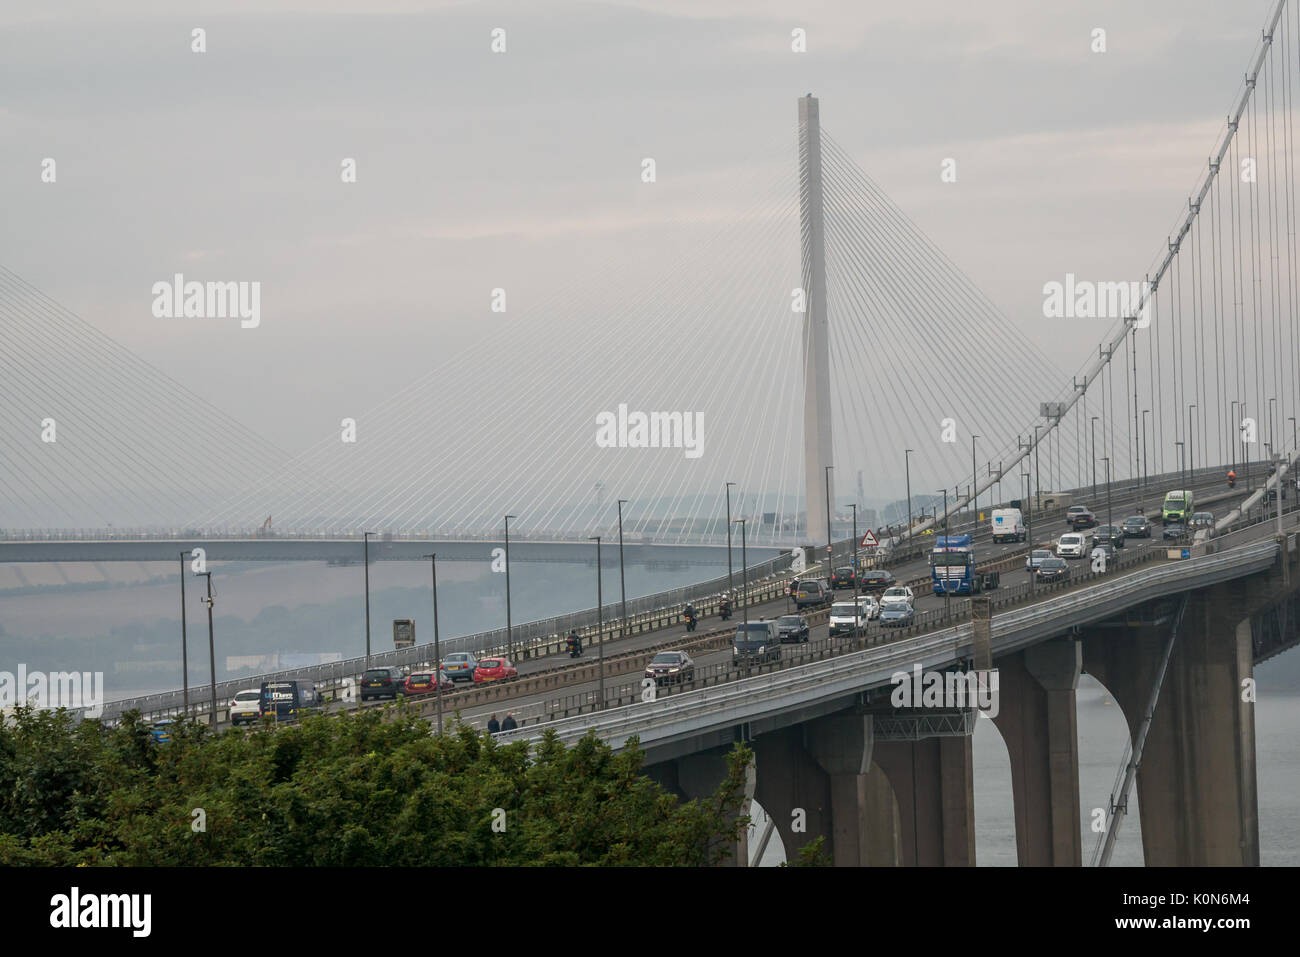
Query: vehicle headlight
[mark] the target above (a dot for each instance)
(674, 668)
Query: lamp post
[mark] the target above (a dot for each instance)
(1182, 479)
(212, 654)
(731, 585)
(1109, 517)
(907, 468)
(622, 579)
(1038, 485)
(365, 542)
(1145, 463)
(1093, 456)
(1029, 530)
(1191, 445)
(974, 483)
(1291, 419)
(437, 651)
(185, 660)
(510, 644)
(600, 622)
(856, 572)
(830, 554)
(947, 597)
(744, 586)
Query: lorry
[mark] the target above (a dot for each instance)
(1008, 525)
(952, 566)
(1178, 506)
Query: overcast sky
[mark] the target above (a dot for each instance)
(520, 170)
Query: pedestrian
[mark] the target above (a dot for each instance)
(509, 723)
(493, 725)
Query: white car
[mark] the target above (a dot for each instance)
(1070, 545)
(896, 597)
(247, 706)
(870, 607)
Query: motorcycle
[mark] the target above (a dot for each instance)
(690, 621)
(575, 646)
(1232, 482)
(724, 609)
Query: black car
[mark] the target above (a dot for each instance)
(386, 682)
(1107, 550)
(877, 580)
(1173, 531)
(842, 577)
(1202, 520)
(1051, 570)
(812, 592)
(791, 628)
(1137, 526)
(1110, 534)
(1080, 516)
(669, 667)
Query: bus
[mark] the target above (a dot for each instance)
(952, 565)
(287, 697)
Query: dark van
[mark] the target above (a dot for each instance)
(288, 697)
(812, 592)
(757, 641)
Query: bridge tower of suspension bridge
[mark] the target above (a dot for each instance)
(816, 339)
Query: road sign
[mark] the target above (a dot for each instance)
(869, 540)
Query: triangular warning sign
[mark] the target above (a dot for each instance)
(869, 540)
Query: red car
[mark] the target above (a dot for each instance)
(494, 669)
(421, 683)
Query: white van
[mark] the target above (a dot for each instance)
(1008, 525)
(1070, 545)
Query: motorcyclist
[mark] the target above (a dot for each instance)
(724, 606)
(574, 643)
(690, 617)
(1232, 479)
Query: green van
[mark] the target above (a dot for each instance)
(1178, 507)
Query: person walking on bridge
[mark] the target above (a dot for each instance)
(509, 723)
(493, 725)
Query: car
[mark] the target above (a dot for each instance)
(1080, 516)
(494, 669)
(246, 706)
(842, 577)
(878, 579)
(385, 682)
(811, 593)
(757, 641)
(1036, 558)
(1137, 526)
(670, 667)
(870, 607)
(792, 628)
(1107, 551)
(1051, 570)
(1202, 520)
(162, 730)
(421, 683)
(897, 616)
(460, 666)
(1173, 531)
(1070, 545)
(1111, 534)
(893, 597)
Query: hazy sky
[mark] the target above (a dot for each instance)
(519, 170)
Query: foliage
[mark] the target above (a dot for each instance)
(357, 789)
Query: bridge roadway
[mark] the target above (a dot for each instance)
(530, 706)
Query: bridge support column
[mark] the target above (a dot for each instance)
(1038, 722)
(793, 789)
(699, 775)
(934, 784)
(1196, 786)
(841, 745)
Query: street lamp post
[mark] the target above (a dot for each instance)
(510, 645)
(1191, 444)
(744, 586)
(974, 482)
(1093, 456)
(437, 650)
(830, 560)
(1029, 530)
(907, 468)
(1145, 463)
(365, 543)
(731, 585)
(600, 623)
(1291, 419)
(856, 568)
(185, 660)
(947, 596)
(212, 654)
(1182, 478)
(1038, 485)
(622, 579)
(1109, 516)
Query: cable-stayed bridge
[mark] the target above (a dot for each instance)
(821, 336)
